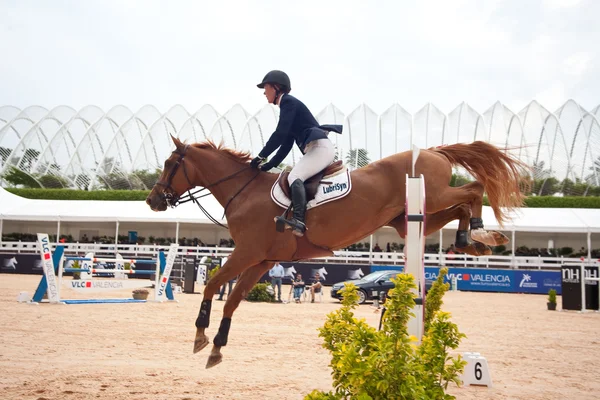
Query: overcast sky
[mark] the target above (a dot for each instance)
(346, 52)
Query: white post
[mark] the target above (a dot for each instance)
(177, 232)
(1, 223)
(440, 253)
(371, 249)
(589, 246)
(58, 232)
(60, 273)
(414, 245)
(116, 238)
(582, 281)
(514, 259)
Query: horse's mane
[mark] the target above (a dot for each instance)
(242, 156)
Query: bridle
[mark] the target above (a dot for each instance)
(170, 196)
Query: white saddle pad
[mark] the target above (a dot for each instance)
(331, 188)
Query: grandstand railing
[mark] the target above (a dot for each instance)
(342, 256)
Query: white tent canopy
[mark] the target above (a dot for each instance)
(16, 208)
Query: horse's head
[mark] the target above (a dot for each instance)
(174, 180)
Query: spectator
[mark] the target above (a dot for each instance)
(388, 248)
(222, 292)
(377, 248)
(299, 286)
(315, 287)
(276, 274)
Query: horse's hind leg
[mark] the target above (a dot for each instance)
(471, 193)
(435, 222)
(235, 265)
(245, 283)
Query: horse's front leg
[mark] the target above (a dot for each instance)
(235, 265)
(244, 284)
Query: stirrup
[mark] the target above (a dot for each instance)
(298, 227)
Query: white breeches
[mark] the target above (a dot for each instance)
(319, 154)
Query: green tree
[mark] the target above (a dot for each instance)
(577, 188)
(51, 181)
(357, 158)
(146, 179)
(16, 177)
(545, 187)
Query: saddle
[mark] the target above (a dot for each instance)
(311, 184)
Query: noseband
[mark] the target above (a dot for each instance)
(168, 194)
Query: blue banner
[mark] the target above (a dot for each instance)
(492, 280)
(538, 281)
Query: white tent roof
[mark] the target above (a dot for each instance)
(14, 207)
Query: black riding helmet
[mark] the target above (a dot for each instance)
(276, 77)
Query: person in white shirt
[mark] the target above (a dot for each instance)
(276, 274)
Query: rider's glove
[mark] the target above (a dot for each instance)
(266, 166)
(256, 162)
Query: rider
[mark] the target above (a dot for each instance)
(296, 124)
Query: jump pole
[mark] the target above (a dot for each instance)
(414, 262)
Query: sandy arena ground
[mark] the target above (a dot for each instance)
(144, 351)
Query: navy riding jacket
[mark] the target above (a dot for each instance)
(296, 124)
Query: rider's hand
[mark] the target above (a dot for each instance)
(256, 162)
(266, 166)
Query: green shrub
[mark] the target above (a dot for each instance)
(76, 275)
(212, 272)
(388, 364)
(552, 296)
(260, 293)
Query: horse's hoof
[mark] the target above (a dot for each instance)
(482, 249)
(475, 249)
(200, 342)
(500, 238)
(213, 360)
(491, 238)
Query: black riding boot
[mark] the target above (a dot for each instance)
(299, 206)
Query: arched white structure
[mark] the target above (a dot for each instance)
(121, 149)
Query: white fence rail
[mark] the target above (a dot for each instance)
(349, 257)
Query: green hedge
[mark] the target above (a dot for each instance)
(558, 202)
(68, 194)
(140, 195)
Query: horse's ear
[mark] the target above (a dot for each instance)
(177, 142)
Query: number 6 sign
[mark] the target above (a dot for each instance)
(476, 372)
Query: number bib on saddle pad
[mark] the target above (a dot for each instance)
(332, 187)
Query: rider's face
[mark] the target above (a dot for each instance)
(270, 93)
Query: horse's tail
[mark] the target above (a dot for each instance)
(499, 172)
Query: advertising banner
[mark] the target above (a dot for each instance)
(493, 280)
(571, 288)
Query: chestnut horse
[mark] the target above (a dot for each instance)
(377, 199)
